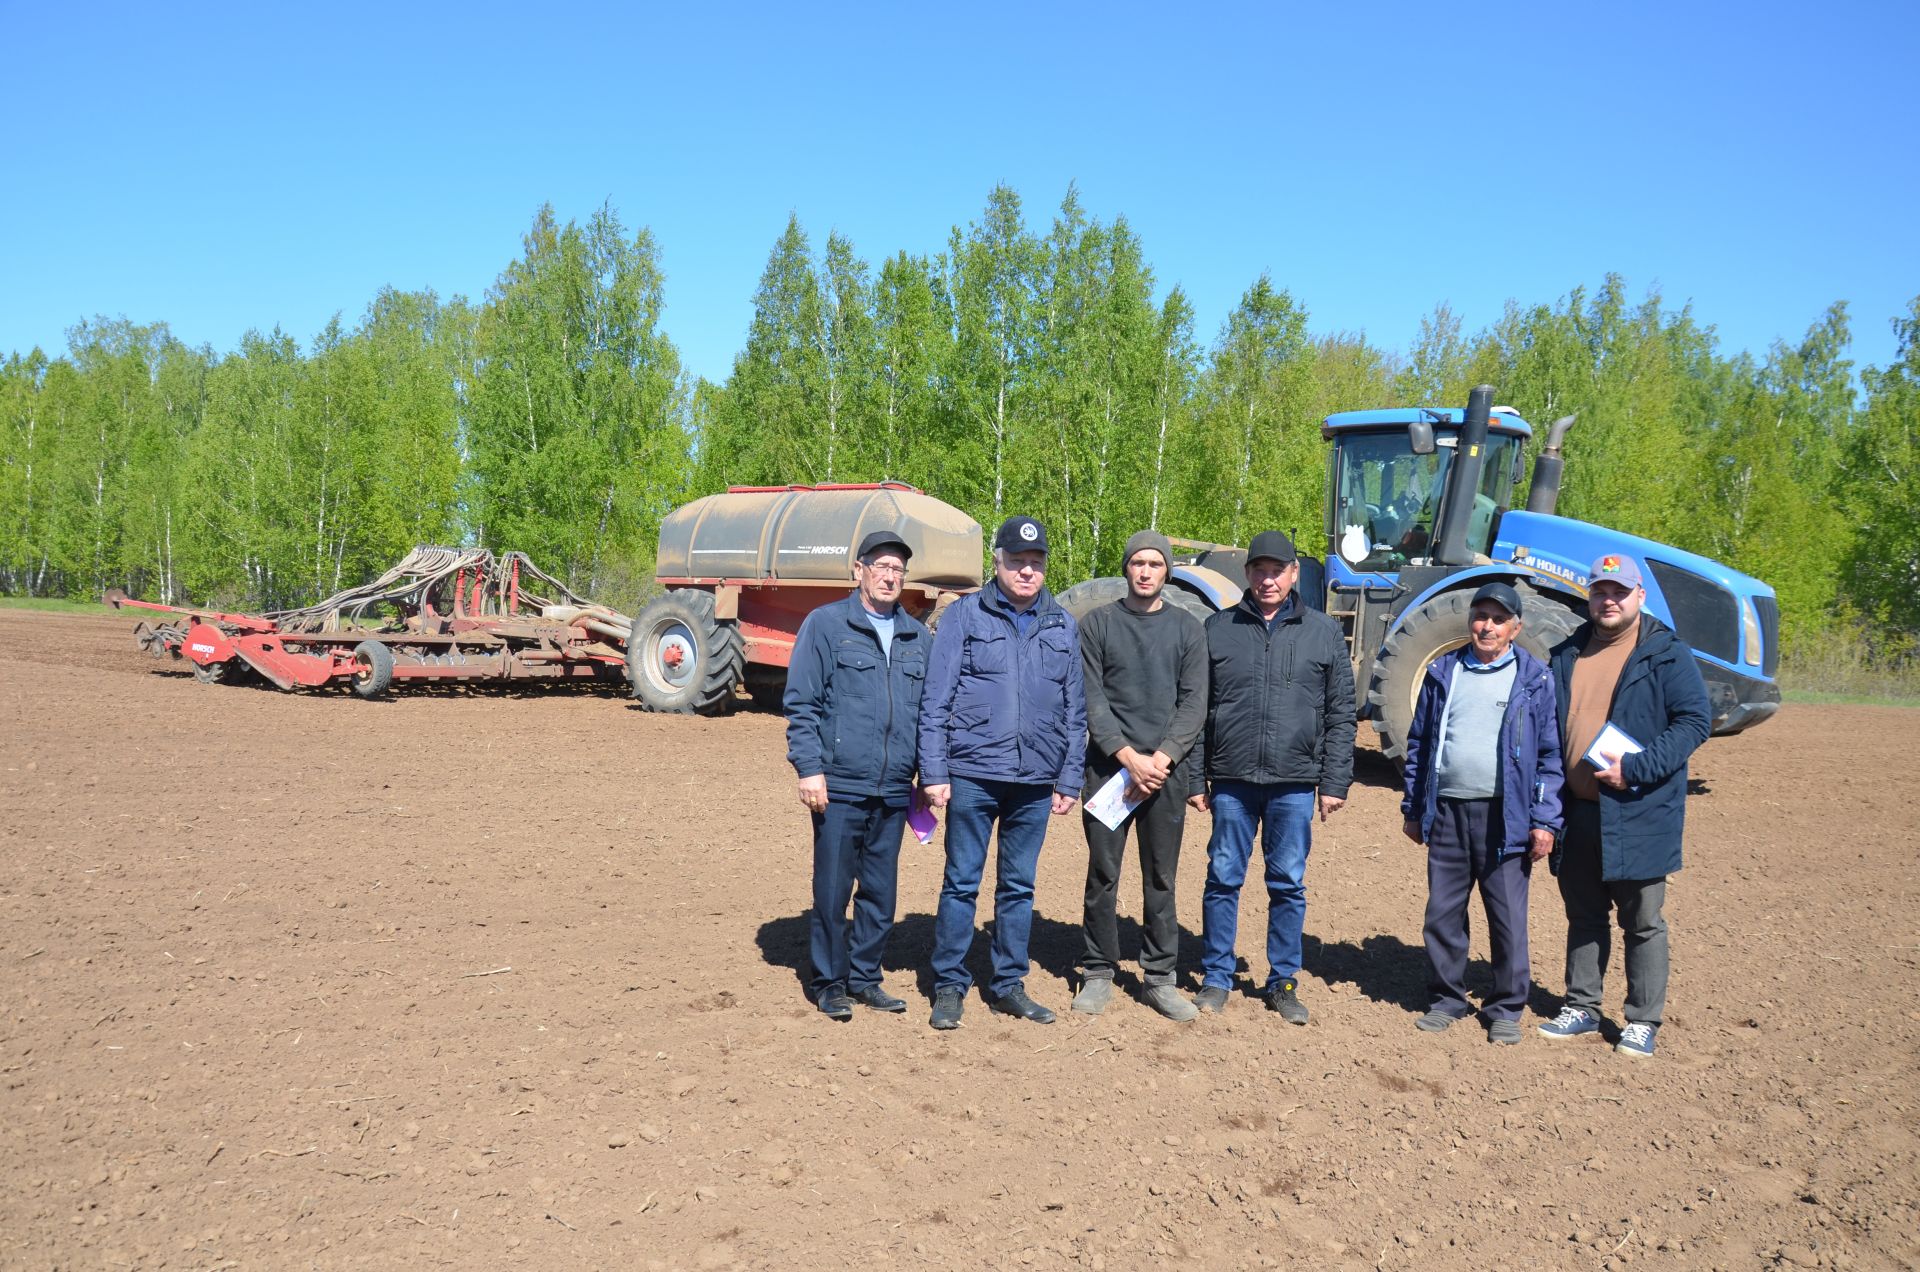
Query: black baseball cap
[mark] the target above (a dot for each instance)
(1500, 594)
(1272, 545)
(1020, 534)
(877, 539)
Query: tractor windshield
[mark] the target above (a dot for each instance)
(1384, 496)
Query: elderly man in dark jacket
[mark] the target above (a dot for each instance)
(1278, 747)
(853, 710)
(1625, 814)
(1483, 793)
(1003, 735)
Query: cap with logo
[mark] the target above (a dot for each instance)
(1272, 545)
(1020, 534)
(878, 539)
(1500, 594)
(1615, 567)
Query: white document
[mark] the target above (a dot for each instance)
(1110, 803)
(1613, 741)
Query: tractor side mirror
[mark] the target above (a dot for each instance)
(1420, 436)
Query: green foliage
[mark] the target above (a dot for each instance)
(1047, 374)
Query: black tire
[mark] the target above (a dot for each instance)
(1431, 630)
(1083, 598)
(212, 673)
(767, 686)
(681, 660)
(372, 669)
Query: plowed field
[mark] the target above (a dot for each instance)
(491, 979)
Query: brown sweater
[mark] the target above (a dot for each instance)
(1595, 673)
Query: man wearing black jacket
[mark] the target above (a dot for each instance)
(1278, 747)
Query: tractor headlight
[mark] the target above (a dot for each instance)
(1750, 641)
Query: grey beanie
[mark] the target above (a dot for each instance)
(1147, 539)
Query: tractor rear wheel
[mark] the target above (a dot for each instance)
(1431, 630)
(1083, 598)
(372, 669)
(681, 659)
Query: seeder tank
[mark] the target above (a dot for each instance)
(808, 534)
(743, 570)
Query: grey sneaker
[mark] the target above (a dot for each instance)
(1168, 1001)
(1284, 1000)
(1211, 998)
(1436, 1021)
(1094, 996)
(1504, 1032)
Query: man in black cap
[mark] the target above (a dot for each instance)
(1003, 733)
(1279, 747)
(1483, 780)
(1145, 666)
(853, 710)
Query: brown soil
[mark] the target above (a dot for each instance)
(490, 978)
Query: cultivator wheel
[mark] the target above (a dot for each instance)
(214, 673)
(372, 669)
(681, 659)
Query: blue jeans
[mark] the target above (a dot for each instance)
(1022, 809)
(1284, 814)
(854, 842)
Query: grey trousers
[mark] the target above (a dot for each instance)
(1591, 902)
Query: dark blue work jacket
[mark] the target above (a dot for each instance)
(1002, 705)
(852, 713)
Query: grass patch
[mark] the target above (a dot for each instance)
(1848, 667)
(54, 605)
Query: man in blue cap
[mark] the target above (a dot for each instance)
(1483, 793)
(1625, 814)
(1003, 735)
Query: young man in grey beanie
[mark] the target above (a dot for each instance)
(1144, 667)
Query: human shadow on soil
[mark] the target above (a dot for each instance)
(1388, 970)
(1054, 946)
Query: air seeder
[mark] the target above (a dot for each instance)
(450, 614)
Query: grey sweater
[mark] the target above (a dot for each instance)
(1146, 683)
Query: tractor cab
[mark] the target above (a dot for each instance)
(1386, 479)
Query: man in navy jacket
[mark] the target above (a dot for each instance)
(1003, 735)
(1624, 817)
(1483, 793)
(853, 709)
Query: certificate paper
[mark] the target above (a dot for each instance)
(1110, 803)
(1613, 741)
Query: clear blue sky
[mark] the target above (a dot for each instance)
(227, 167)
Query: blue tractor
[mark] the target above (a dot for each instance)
(1418, 518)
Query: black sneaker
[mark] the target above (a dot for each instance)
(1283, 1000)
(879, 999)
(1016, 1003)
(834, 1003)
(947, 1006)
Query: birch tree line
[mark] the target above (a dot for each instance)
(1027, 367)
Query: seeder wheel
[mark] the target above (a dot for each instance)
(681, 659)
(372, 669)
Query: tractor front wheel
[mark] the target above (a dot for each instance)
(681, 659)
(1431, 630)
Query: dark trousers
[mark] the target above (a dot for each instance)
(1463, 850)
(855, 841)
(1157, 824)
(1591, 905)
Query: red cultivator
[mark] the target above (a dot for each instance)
(451, 614)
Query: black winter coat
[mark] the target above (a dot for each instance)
(1661, 703)
(1279, 701)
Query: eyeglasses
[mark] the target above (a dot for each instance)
(885, 571)
(1027, 567)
